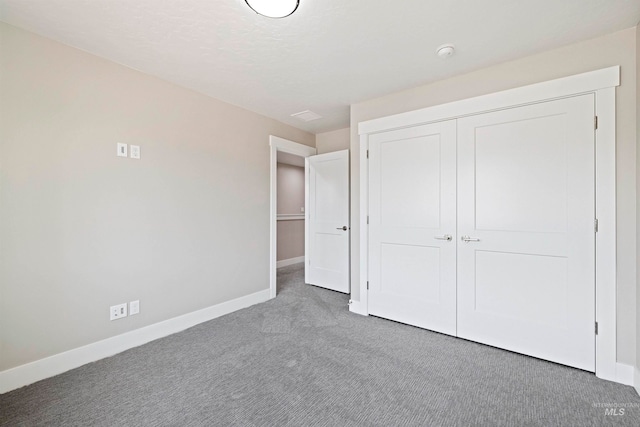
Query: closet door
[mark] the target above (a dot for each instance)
(412, 228)
(526, 210)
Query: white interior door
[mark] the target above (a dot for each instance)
(327, 221)
(526, 210)
(412, 226)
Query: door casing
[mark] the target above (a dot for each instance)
(278, 144)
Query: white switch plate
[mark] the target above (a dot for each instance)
(122, 150)
(118, 311)
(135, 151)
(134, 307)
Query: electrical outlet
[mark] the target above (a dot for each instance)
(122, 150)
(118, 311)
(134, 307)
(134, 151)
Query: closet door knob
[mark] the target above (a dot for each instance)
(446, 237)
(343, 228)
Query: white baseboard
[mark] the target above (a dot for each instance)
(29, 373)
(636, 380)
(290, 261)
(624, 374)
(357, 308)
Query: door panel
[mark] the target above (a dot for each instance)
(419, 161)
(526, 193)
(528, 200)
(538, 277)
(403, 264)
(412, 206)
(327, 208)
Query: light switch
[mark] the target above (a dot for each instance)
(122, 150)
(134, 307)
(135, 152)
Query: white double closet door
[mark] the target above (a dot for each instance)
(483, 228)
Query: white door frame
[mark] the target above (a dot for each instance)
(602, 83)
(279, 144)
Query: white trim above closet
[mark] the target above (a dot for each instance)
(594, 81)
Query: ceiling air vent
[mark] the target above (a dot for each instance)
(306, 116)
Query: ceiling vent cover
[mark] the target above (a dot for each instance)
(306, 116)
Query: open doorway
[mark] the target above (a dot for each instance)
(287, 199)
(290, 220)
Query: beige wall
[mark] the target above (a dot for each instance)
(290, 233)
(290, 237)
(185, 227)
(336, 140)
(290, 187)
(614, 49)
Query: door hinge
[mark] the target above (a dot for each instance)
(596, 328)
(367, 154)
(367, 285)
(309, 261)
(595, 225)
(595, 122)
(367, 219)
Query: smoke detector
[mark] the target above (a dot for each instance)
(446, 50)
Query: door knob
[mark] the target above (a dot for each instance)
(469, 239)
(446, 237)
(343, 228)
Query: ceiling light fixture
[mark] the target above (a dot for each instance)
(445, 51)
(273, 8)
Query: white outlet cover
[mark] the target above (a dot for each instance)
(122, 150)
(134, 307)
(135, 151)
(118, 311)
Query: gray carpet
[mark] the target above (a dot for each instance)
(304, 360)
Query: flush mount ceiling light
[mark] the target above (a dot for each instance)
(273, 8)
(446, 50)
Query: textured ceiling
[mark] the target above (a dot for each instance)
(326, 56)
